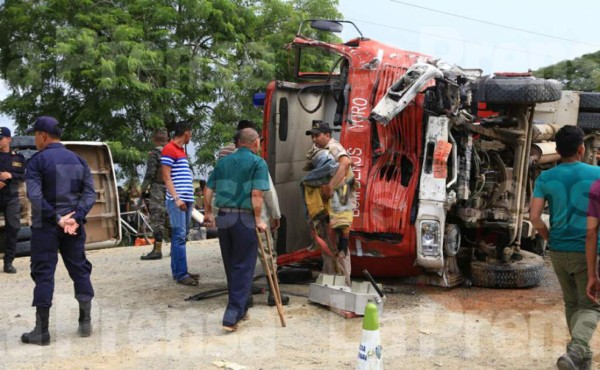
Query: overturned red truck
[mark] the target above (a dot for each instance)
(445, 159)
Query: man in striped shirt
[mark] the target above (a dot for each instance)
(179, 202)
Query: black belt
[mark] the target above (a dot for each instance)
(235, 210)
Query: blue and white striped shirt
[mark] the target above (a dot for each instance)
(181, 173)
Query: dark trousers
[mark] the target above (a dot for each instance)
(239, 248)
(46, 242)
(12, 217)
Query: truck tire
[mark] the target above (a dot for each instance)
(588, 120)
(525, 273)
(589, 102)
(517, 90)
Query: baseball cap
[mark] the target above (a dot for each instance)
(319, 127)
(4, 132)
(46, 124)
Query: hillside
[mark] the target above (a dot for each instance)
(581, 73)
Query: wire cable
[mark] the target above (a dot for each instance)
(494, 24)
(457, 39)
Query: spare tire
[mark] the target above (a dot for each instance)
(589, 102)
(525, 273)
(588, 120)
(517, 90)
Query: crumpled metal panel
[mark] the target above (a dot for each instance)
(390, 192)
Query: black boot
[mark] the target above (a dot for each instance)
(9, 268)
(569, 361)
(85, 319)
(285, 300)
(586, 364)
(39, 335)
(155, 254)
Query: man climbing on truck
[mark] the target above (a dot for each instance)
(336, 186)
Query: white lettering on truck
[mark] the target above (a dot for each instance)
(357, 162)
(358, 112)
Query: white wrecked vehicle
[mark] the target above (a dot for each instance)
(103, 227)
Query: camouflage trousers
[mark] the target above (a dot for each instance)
(157, 210)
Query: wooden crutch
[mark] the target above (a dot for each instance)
(272, 278)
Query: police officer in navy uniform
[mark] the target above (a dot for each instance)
(12, 172)
(61, 190)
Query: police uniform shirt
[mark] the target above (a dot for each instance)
(15, 164)
(59, 182)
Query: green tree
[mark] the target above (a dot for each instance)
(114, 70)
(262, 57)
(581, 73)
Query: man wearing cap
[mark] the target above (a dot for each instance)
(12, 171)
(155, 185)
(322, 140)
(60, 188)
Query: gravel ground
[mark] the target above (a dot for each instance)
(141, 320)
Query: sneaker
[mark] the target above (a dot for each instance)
(9, 268)
(188, 281)
(569, 361)
(194, 276)
(285, 300)
(153, 255)
(230, 328)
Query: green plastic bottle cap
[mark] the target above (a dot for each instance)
(371, 321)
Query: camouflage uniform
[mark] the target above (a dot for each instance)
(153, 182)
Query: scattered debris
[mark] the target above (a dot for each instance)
(228, 365)
(330, 290)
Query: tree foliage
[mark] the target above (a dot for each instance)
(114, 70)
(581, 73)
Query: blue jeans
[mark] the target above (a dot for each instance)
(180, 221)
(239, 247)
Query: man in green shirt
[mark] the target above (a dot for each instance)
(566, 189)
(239, 181)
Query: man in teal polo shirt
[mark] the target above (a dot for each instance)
(566, 189)
(239, 180)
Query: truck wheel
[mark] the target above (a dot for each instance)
(587, 120)
(527, 272)
(517, 90)
(589, 102)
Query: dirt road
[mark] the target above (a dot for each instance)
(141, 320)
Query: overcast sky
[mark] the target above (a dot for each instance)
(475, 33)
(471, 35)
